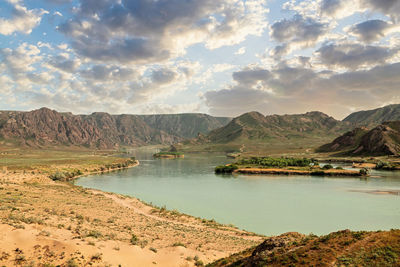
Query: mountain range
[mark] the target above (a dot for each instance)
(254, 126)
(45, 127)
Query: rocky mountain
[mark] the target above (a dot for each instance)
(187, 125)
(99, 130)
(371, 118)
(343, 248)
(384, 139)
(254, 126)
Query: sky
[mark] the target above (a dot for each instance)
(221, 57)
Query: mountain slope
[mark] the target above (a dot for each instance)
(187, 125)
(254, 126)
(384, 139)
(343, 248)
(48, 127)
(374, 117)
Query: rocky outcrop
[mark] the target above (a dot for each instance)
(45, 127)
(384, 139)
(342, 248)
(347, 141)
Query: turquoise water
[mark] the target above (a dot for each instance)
(263, 204)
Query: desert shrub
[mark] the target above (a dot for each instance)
(134, 239)
(94, 233)
(58, 176)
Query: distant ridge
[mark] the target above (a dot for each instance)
(46, 127)
(186, 125)
(374, 117)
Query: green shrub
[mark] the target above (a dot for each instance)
(364, 171)
(225, 168)
(277, 162)
(327, 167)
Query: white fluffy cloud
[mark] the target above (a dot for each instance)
(154, 31)
(22, 20)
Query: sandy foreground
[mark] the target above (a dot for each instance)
(47, 223)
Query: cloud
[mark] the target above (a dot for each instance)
(153, 31)
(19, 62)
(353, 56)
(298, 31)
(235, 101)
(63, 63)
(295, 90)
(371, 30)
(241, 51)
(156, 108)
(59, 2)
(109, 74)
(22, 20)
(250, 76)
(388, 7)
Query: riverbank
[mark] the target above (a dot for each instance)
(43, 221)
(319, 172)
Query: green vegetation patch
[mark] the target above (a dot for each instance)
(277, 162)
(223, 169)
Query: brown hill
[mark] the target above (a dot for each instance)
(45, 127)
(384, 139)
(254, 126)
(344, 248)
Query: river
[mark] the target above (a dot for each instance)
(268, 205)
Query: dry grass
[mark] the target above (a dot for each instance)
(63, 224)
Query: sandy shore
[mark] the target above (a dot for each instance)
(47, 222)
